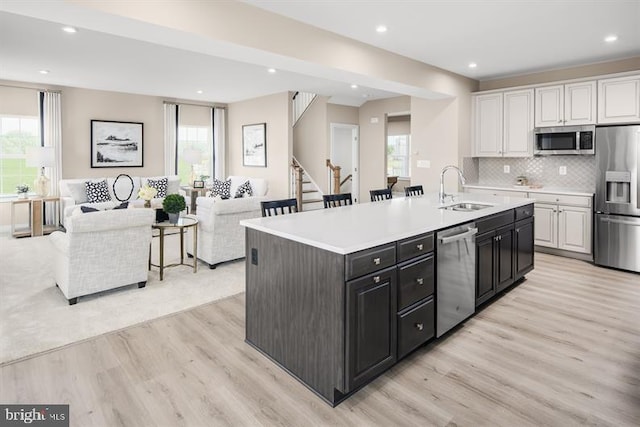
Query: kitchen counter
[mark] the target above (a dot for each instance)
(526, 189)
(353, 228)
(338, 296)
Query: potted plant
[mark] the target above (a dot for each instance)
(173, 204)
(22, 191)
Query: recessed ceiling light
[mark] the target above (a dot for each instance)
(70, 30)
(44, 71)
(199, 91)
(354, 86)
(365, 95)
(271, 70)
(381, 29)
(472, 65)
(611, 38)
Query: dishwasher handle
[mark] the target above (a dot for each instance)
(471, 231)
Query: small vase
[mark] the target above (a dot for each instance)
(174, 217)
(147, 203)
(22, 195)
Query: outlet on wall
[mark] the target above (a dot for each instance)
(507, 169)
(562, 170)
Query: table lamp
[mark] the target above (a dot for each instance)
(193, 157)
(41, 157)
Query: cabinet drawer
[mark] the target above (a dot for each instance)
(415, 327)
(416, 281)
(495, 221)
(414, 246)
(524, 212)
(562, 199)
(370, 260)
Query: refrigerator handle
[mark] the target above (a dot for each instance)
(620, 221)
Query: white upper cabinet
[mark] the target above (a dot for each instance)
(518, 124)
(549, 106)
(619, 100)
(579, 103)
(503, 124)
(570, 104)
(487, 125)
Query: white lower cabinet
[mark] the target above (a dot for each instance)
(563, 222)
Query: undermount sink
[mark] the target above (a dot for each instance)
(466, 207)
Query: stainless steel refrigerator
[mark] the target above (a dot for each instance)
(617, 204)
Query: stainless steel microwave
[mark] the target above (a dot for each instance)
(565, 140)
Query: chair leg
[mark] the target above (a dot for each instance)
(213, 266)
(142, 284)
(72, 301)
(189, 255)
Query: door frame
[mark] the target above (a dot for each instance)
(355, 155)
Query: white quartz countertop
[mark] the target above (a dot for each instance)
(349, 229)
(526, 189)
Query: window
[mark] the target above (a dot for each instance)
(398, 149)
(194, 153)
(17, 133)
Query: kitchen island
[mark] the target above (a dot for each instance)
(337, 296)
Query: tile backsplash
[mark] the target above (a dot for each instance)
(544, 171)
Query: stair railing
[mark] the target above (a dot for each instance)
(335, 173)
(297, 178)
(300, 103)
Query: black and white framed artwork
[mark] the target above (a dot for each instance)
(116, 144)
(254, 145)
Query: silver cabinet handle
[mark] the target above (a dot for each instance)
(420, 281)
(376, 261)
(420, 246)
(376, 279)
(419, 326)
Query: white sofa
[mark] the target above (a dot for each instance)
(102, 250)
(220, 236)
(73, 193)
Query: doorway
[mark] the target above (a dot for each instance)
(345, 153)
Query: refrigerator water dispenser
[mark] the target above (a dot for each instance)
(618, 187)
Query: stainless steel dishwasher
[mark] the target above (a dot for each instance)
(456, 261)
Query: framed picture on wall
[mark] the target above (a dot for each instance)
(116, 144)
(254, 145)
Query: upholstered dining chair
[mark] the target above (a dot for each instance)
(414, 190)
(279, 207)
(336, 200)
(383, 194)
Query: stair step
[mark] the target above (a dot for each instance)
(309, 191)
(312, 201)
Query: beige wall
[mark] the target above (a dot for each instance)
(195, 115)
(275, 111)
(434, 137)
(373, 141)
(342, 114)
(631, 64)
(310, 142)
(80, 106)
(18, 101)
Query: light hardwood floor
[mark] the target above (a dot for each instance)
(560, 349)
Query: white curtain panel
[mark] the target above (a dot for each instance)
(170, 138)
(52, 132)
(219, 141)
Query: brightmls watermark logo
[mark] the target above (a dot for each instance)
(34, 415)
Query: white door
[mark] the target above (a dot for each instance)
(580, 103)
(344, 153)
(546, 225)
(550, 106)
(574, 229)
(518, 123)
(487, 125)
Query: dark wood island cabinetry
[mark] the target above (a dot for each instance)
(336, 318)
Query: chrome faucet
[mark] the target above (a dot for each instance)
(442, 194)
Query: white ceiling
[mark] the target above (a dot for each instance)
(503, 37)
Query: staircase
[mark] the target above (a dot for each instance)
(304, 189)
(300, 102)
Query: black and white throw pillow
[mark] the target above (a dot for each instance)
(244, 190)
(160, 185)
(221, 188)
(97, 192)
